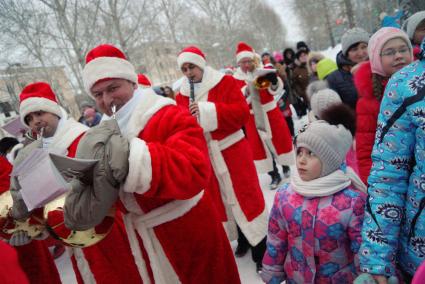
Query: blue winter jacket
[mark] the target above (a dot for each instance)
(394, 225)
(341, 81)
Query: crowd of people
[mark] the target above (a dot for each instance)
(176, 177)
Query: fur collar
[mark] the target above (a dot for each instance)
(363, 80)
(240, 75)
(66, 134)
(210, 79)
(148, 105)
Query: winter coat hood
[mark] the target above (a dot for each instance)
(341, 60)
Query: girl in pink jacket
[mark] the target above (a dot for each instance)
(315, 223)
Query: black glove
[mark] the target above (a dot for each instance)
(272, 77)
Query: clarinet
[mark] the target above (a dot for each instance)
(192, 91)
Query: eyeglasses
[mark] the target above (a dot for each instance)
(392, 52)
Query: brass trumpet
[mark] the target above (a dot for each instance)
(261, 83)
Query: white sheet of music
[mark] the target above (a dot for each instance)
(39, 179)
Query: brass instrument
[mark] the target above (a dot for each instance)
(51, 218)
(261, 83)
(34, 225)
(54, 216)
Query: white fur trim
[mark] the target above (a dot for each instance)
(208, 116)
(279, 89)
(269, 106)
(190, 57)
(231, 230)
(286, 159)
(255, 230)
(107, 67)
(149, 104)
(36, 104)
(66, 134)
(244, 91)
(135, 249)
(139, 176)
(210, 79)
(263, 166)
(244, 54)
(14, 152)
(83, 266)
(144, 224)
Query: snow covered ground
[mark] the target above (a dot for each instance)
(246, 266)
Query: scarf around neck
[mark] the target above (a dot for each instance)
(327, 185)
(124, 114)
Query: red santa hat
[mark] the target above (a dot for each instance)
(106, 62)
(243, 50)
(143, 81)
(191, 54)
(38, 96)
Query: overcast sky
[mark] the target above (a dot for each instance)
(283, 8)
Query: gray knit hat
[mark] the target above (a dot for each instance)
(329, 142)
(322, 100)
(351, 37)
(413, 22)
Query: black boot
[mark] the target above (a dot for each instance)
(259, 267)
(243, 244)
(286, 171)
(241, 249)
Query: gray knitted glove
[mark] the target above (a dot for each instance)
(19, 238)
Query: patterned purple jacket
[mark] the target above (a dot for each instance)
(314, 240)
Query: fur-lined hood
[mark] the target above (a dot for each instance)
(316, 56)
(363, 80)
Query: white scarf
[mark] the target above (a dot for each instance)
(123, 115)
(47, 141)
(327, 185)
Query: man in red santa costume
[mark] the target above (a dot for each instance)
(267, 131)
(110, 260)
(174, 231)
(222, 111)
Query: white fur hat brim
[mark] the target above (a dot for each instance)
(244, 54)
(107, 67)
(38, 104)
(190, 57)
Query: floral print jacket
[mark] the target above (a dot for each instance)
(314, 240)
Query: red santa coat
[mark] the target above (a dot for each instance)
(174, 232)
(275, 138)
(34, 258)
(10, 269)
(110, 260)
(223, 113)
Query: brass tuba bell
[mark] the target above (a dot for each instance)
(34, 225)
(55, 223)
(261, 83)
